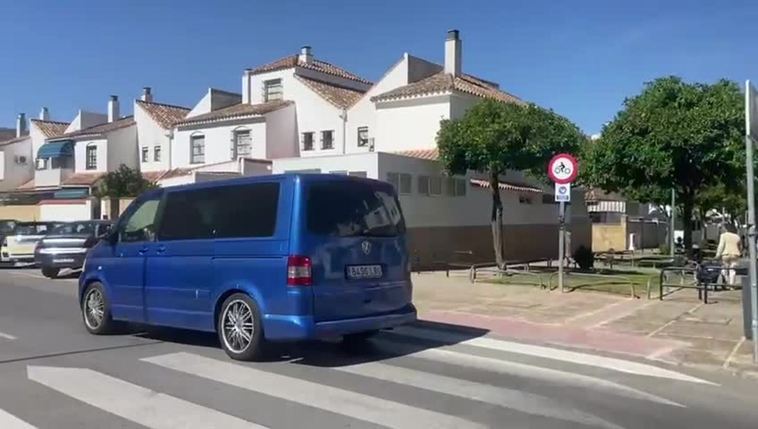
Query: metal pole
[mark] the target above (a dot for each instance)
(751, 233)
(561, 243)
(672, 227)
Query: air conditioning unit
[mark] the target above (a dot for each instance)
(20, 159)
(371, 144)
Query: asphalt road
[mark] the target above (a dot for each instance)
(55, 375)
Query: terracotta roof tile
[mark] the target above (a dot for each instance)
(315, 65)
(443, 82)
(236, 111)
(13, 140)
(99, 130)
(428, 154)
(83, 179)
(166, 115)
(50, 128)
(338, 95)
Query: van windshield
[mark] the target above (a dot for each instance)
(349, 209)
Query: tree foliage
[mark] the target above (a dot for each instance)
(673, 135)
(122, 183)
(494, 137)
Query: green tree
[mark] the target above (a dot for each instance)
(494, 137)
(673, 135)
(123, 183)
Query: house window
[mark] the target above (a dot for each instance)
(157, 153)
(41, 163)
(308, 141)
(197, 147)
(327, 139)
(423, 185)
(243, 144)
(145, 154)
(357, 174)
(394, 180)
(435, 186)
(272, 90)
(362, 136)
(405, 183)
(91, 157)
(523, 199)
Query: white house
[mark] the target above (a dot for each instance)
(391, 135)
(155, 124)
(15, 157)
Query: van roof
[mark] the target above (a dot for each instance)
(303, 177)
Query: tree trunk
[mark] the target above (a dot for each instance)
(688, 207)
(496, 219)
(703, 229)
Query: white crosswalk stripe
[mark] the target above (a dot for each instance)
(501, 397)
(613, 364)
(9, 421)
(348, 403)
(132, 402)
(444, 355)
(8, 337)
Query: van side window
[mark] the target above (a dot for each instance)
(225, 212)
(140, 226)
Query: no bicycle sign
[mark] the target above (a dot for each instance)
(562, 169)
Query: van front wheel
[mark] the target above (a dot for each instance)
(239, 328)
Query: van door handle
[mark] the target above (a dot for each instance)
(160, 250)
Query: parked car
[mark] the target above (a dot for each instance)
(257, 259)
(66, 246)
(18, 247)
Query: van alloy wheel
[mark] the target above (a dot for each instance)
(238, 326)
(94, 308)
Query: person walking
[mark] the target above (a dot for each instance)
(729, 251)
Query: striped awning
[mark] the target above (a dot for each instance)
(56, 149)
(517, 187)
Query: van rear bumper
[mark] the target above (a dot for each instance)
(287, 328)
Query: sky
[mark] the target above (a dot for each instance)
(581, 58)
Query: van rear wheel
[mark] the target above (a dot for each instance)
(239, 328)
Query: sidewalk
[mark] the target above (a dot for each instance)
(679, 329)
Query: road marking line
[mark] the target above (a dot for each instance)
(339, 401)
(7, 336)
(732, 353)
(135, 403)
(549, 353)
(9, 421)
(523, 370)
(502, 397)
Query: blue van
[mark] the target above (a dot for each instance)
(268, 258)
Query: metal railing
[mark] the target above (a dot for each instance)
(606, 279)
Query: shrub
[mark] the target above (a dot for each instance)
(584, 258)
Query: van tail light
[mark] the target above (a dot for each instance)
(299, 271)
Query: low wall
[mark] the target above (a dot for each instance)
(429, 246)
(23, 213)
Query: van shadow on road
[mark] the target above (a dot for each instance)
(332, 352)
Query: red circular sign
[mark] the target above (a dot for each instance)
(562, 169)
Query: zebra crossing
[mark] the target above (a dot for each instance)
(320, 393)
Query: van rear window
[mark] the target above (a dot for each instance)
(348, 209)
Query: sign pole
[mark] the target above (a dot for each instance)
(672, 225)
(561, 243)
(750, 176)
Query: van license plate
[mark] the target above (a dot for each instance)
(364, 271)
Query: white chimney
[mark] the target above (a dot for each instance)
(305, 55)
(147, 94)
(44, 114)
(113, 109)
(21, 125)
(453, 47)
